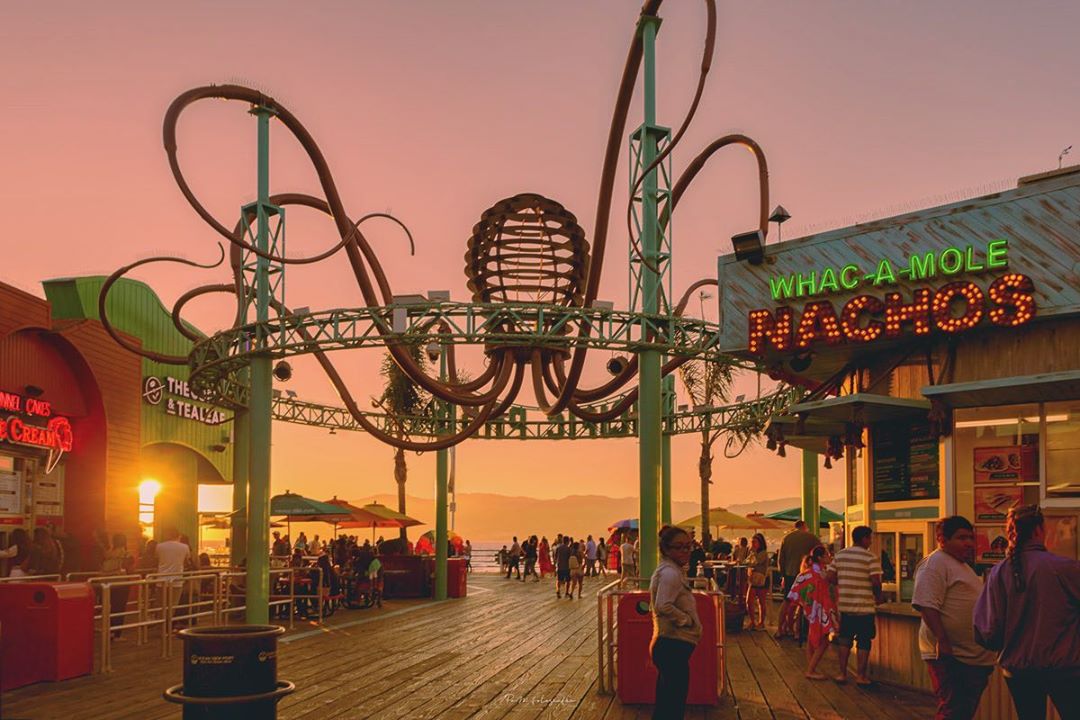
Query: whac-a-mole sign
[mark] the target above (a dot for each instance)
(996, 262)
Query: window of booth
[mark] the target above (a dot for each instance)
(1062, 449)
(1014, 455)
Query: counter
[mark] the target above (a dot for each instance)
(894, 658)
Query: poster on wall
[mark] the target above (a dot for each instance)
(1003, 464)
(1061, 535)
(11, 493)
(990, 543)
(992, 503)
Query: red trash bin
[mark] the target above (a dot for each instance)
(636, 675)
(456, 586)
(48, 632)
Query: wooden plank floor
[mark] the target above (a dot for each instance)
(509, 650)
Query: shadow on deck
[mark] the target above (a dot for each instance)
(510, 649)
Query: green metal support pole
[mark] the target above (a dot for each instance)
(811, 509)
(665, 452)
(241, 463)
(442, 481)
(258, 565)
(650, 428)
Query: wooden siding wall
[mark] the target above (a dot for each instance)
(1045, 347)
(89, 377)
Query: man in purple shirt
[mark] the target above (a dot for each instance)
(1029, 612)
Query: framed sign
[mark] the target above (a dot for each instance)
(1013, 463)
(990, 543)
(992, 503)
(1061, 535)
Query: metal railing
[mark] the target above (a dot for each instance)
(607, 630)
(54, 577)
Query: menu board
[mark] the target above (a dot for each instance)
(49, 496)
(11, 502)
(905, 462)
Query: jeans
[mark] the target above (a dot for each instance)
(672, 660)
(957, 686)
(1029, 689)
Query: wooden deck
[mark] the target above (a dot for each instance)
(509, 650)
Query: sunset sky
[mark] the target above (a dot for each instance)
(436, 110)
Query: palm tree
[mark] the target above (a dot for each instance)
(402, 400)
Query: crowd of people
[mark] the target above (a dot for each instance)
(1025, 617)
(570, 561)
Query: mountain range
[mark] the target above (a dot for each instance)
(489, 517)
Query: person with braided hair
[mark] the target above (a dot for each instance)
(1029, 612)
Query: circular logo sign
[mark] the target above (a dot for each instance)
(153, 389)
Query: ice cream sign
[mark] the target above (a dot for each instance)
(881, 310)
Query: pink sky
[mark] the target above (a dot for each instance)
(436, 110)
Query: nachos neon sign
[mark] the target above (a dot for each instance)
(880, 311)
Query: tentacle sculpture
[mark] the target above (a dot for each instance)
(525, 249)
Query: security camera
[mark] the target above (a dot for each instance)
(617, 364)
(283, 371)
(433, 351)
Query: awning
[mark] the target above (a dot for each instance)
(809, 425)
(1008, 391)
(861, 408)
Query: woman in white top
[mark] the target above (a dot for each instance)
(676, 626)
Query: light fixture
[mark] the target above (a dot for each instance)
(779, 216)
(33, 391)
(438, 295)
(801, 362)
(283, 371)
(683, 408)
(291, 393)
(333, 431)
(739, 398)
(617, 364)
(218, 448)
(749, 246)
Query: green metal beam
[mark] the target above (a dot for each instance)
(258, 566)
(650, 407)
(811, 506)
(442, 481)
(241, 465)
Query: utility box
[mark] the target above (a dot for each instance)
(636, 674)
(48, 632)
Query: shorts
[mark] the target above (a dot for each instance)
(563, 575)
(858, 627)
(789, 580)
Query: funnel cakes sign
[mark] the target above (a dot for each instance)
(996, 262)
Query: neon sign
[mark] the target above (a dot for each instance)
(916, 268)
(56, 435)
(27, 405)
(953, 308)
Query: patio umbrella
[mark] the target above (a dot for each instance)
(766, 522)
(356, 514)
(380, 516)
(628, 524)
(792, 514)
(721, 518)
(302, 509)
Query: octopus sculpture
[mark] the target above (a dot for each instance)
(525, 249)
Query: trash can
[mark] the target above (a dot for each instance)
(456, 586)
(636, 674)
(230, 672)
(48, 632)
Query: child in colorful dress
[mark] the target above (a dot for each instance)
(813, 593)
